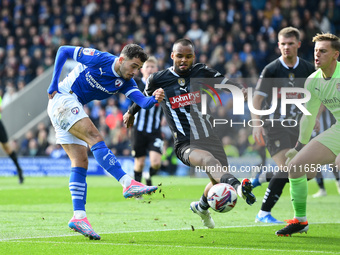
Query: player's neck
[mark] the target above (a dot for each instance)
(117, 68)
(328, 71)
(290, 62)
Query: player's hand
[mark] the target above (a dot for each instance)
(245, 93)
(128, 119)
(258, 133)
(159, 94)
(290, 155)
(50, 96)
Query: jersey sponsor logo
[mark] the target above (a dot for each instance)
(331, 102)
(88, 51)
(181, 81)
(290, 95)
(75, 110)
(94, 84)
(119, 83)
(185, 99)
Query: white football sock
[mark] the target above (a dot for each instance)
(79, 214)
(262, 213)
(125, 181)
(301, 219)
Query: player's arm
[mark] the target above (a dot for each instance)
(317, 121)
(64, 53)
(146, 102)
(150, 89)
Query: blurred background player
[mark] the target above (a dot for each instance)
(8, 149)
(307, 154)
(195, 142)
(146, 132)
(287, 71)
(98, 76)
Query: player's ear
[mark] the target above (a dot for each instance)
(121, 59)
(172, 55)
(299, 44)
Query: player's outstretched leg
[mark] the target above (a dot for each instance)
(109, 162)
(137, 189)
(84, 227)
(294, 226)
(204, 214)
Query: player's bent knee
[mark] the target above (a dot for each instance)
(311, 175)
(209, 160)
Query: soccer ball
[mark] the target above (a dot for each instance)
(222, 197)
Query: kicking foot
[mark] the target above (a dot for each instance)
(136, 189)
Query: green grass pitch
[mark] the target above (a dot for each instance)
(34, 217)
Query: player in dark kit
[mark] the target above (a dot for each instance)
(195, 143)
(8, 149)
(146, 134)
(287, 71)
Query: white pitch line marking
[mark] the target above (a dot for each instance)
(155, 230)
(180, 246)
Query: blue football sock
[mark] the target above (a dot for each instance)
(78, 188)
(107, 160)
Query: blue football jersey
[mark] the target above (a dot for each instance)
(94, 77)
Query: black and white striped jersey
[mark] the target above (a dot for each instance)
(148, 121)
(182, 102)
(278, 75)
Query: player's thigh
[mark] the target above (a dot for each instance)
(85, 130)
(337, 163)
(280, 158)
(314, 154)
(71, 123)
(77, 154)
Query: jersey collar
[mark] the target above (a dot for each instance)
(171, 69)
(113, 68)
(284, 64)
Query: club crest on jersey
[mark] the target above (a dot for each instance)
(338, 86)
(291, 76)
(118, 83)
(277, 143)
(88, 52)
(75, 110)
(181, 82)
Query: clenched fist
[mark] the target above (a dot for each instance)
(159, 94)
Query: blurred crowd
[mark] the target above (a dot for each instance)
(237, 38)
